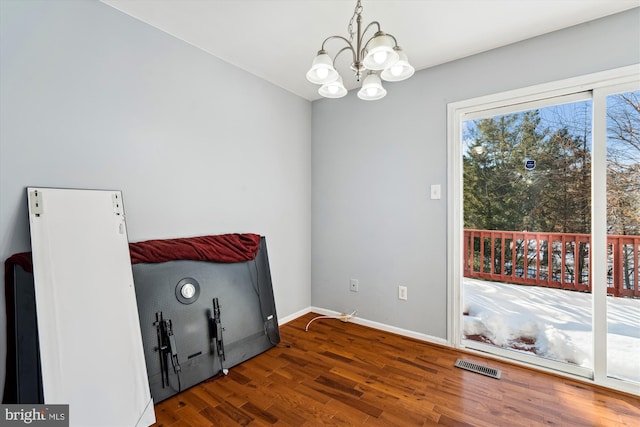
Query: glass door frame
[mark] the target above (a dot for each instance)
(600, 85)
(503, 110)
(599, 233)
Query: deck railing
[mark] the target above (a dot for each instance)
(555, 260)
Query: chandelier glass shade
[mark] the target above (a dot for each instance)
(378, 57)
(371, 88)
(399, 71)
(334, 89)
(322, 70)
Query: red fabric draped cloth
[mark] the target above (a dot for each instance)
(23, 259)
(225, 248)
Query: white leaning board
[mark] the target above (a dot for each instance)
(90, 342)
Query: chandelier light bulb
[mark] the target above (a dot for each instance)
(380, 57)
(322, 73)
(396, 70)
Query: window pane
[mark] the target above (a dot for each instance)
(623, 229)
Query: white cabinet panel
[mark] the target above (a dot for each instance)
(90, 342)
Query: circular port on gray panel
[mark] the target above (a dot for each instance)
(187, 290)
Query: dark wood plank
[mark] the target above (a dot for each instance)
(343, 374)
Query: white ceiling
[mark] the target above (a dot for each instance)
(277, 39)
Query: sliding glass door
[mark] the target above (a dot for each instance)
(545, 203)
(527, 232)
(623, 233)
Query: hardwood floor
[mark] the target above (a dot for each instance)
(343, 374)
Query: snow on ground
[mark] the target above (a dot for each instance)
(552, 323)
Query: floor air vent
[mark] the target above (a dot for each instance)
(479, 369)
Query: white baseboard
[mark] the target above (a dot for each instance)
(289, 318)
(369, 323)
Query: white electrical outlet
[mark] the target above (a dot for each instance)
(402, 293)
(353, 285)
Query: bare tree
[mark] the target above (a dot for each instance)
(623, 174)
(623, 163)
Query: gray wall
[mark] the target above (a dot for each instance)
(373, 164)
(91, 98)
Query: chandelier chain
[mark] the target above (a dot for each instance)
(357, 11)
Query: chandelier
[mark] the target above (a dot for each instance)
(379, 56)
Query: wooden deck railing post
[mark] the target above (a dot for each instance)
(624, 256)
